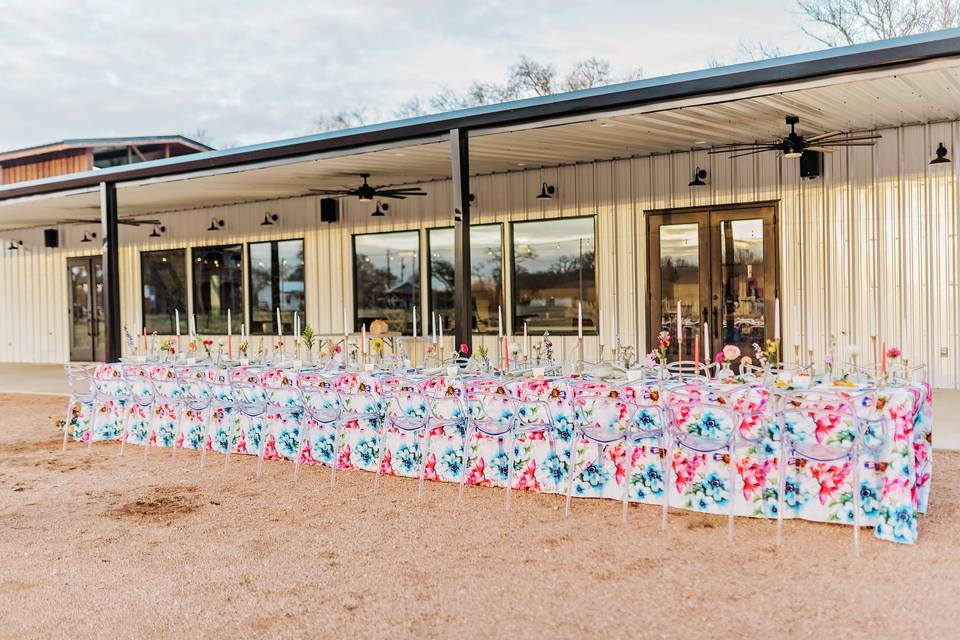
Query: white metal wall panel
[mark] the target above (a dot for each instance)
(869, 248)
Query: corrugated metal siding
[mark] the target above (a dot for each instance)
(870, 247)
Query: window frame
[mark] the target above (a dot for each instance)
(353, 268)
(515, 290)
(244, 275)
(503, 271)
(188, 273)
(248, 289)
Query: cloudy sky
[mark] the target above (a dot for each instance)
(246, 71)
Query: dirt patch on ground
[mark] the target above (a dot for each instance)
(159, 504)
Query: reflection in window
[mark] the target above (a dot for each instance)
(163, 278)
(276, 281)
(485, 259)
(680, 281)
(217, 286)
(386, 281)
(554, 267)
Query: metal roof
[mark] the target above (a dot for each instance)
(788, 69)
(83, 143)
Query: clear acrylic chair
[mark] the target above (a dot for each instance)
(491, 412)
(829, 428)
(141, 397)
(83, 391)
(650, 422)
(222, 403)
(703, 423)
(361, 402)
(406, 408)
(166, 393)
(250, 400)
(543, 407)
(447, 413)
(688, 371)
(603, 417)
(321, 405)
(194, 399)
(281, 390)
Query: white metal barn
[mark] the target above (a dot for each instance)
(607, 197)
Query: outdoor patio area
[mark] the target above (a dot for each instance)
(155, 547)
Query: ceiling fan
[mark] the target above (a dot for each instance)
(793, 144)
(369, 192)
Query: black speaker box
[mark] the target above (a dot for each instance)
(51, 238)
(811, 164)
(329, 210)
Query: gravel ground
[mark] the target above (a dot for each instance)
(101, 546)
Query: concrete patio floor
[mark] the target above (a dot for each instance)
(50, 379)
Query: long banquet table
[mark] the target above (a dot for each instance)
(894, 483)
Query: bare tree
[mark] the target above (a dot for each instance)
(530, 77)
(842, 22)
(346, 119)
(592, 72)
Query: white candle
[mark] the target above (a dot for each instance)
(433, 326)
(279, 326)
(243, 330)
(526, 338)
(192, 325)
(580, 320)
(229, 324)
(440, 325)
(176, 321)
(499, 321)
(363, 338)
(414, 322)
(296, 324)
(679, 330)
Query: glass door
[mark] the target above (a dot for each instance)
(720, 264)
(679, 273)
(86, 308)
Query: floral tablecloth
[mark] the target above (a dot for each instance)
(894, 482)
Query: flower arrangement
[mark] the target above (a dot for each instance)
(206, 343)
(628, 355)
(663, 344)
(243, 348)
(309, 337)
(731, 352)
(168, 346)
(483, 355)
(547, 347)
(130, 339)
(893, 353)
(463, 351)
(853, 351)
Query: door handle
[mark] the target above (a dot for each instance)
(716, 321)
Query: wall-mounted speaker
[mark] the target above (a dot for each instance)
(51, 238)
(811, 164)
(329, 210)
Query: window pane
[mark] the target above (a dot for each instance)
(276, 280)
(680, 282)
(217, 286)
(485, 259)
(386, 278)
(554, 265)
(163, 276)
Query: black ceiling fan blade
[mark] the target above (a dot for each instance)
(865, 143)
(393, 193)
(395, 196)
(823, 136)
(763, 147)
(399, 189)
(752, 153)
(747, 145)
(853, 139)
(332, 192)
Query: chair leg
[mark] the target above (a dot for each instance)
(302, 441)
(855, 478)
(126, 427)
(146, 445)
(206, 434)
(731, 516)
(176, 432)
(380, 449)
(336, 455)
(66, 426)
(423, 464)
(233, 433)
(668, 481)
(264, 432)
(781, 489)
(627, 478)
(513, 444)
(572, 474)
(463, 467)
